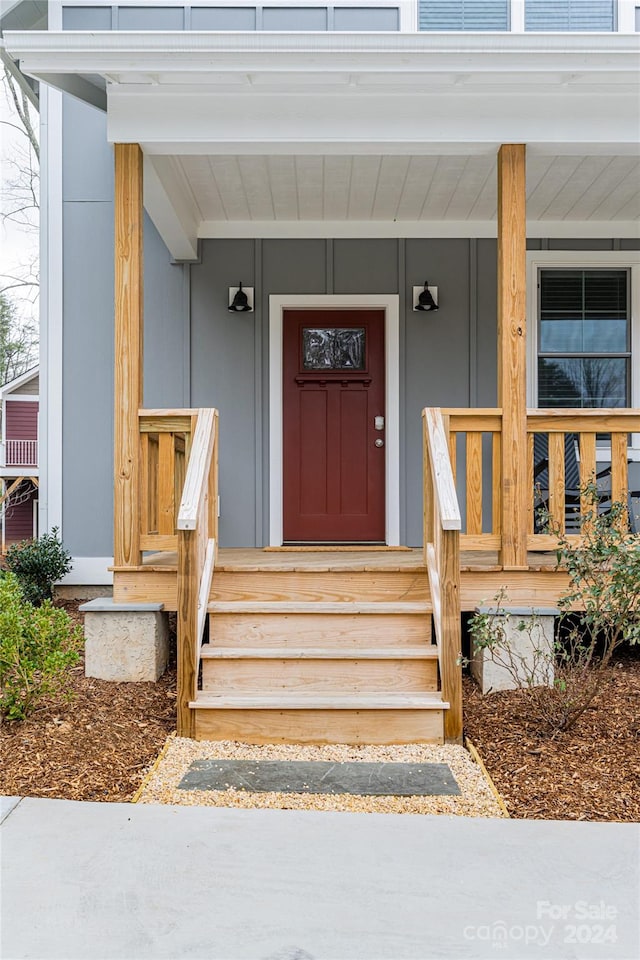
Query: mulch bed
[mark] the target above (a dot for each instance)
(99, 745)
(592, 772)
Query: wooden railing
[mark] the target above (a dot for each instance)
(474, 441)
(165, 442)
(179, 516)
(197, 545)
(442, 556)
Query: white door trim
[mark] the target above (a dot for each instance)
(390, 303)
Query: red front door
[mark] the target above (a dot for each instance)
(334, 455)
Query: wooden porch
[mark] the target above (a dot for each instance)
(344, 644)
(338, 646)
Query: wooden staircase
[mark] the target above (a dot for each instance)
(317, 648)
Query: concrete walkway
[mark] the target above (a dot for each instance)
(89, 881)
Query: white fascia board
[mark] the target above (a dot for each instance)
(187, 88)
(167, 205)
(165, 52)
(346, 119)
(418, 229)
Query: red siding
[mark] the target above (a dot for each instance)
(22, 420)
(18, 521)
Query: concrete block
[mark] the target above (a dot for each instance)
(528, 650)
(125, 642)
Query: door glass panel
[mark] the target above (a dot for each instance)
(333, 348)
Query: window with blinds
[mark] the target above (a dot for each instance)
(464, 14)
(589, 15)
(584, 338)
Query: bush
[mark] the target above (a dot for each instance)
(38, 564)
(38, 646)
(600, 612)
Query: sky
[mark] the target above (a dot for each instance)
(18, 246)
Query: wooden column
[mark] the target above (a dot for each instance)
(128, 352)
(512, 357)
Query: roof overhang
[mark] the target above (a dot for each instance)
(19, 381)
(270, 95)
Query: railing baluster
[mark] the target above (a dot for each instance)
(496, 482)
(474, 483)
(556, 481)
(531, 480)
(619, 467)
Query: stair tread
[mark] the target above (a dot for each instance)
(319, 701)
(425, 651)
(312, 606)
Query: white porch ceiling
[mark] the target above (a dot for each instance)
(400, 189)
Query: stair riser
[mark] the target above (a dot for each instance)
(315, 630)
(361, 586)
(321, 726)
(318, 676)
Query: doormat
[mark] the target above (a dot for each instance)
(319, 777)
(337, 548)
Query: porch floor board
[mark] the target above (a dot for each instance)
(255, 559)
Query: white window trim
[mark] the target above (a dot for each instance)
(583, 259)
(390, 303)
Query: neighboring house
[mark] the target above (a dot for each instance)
(331, 157)
(19, 476)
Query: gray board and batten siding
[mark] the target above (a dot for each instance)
(433, 15)
(261, 16)
(199, 354)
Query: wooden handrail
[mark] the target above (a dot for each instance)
(441, 473)
(195, 484)
(197, 539)
(442, 556)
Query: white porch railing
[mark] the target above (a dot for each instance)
(21, 453)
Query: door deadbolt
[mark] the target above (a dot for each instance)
(378, 423)
(379, 442)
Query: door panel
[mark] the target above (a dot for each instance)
(334, 474)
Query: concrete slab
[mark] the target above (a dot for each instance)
(7, 804)
(316, 776)
(88, 881)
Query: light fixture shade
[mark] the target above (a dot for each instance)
(425, 298)
(240, 299)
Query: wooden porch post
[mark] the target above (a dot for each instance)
(128, 352)
(512, 357)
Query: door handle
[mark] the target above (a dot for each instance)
(378, 423)
(379, 442)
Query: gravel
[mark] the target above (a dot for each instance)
(161, 783)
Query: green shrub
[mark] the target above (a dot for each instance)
(38, 646)
(600, 611)
(38, 564)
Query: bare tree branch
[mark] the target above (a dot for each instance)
(21, 104)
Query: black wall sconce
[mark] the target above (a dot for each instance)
(425, 298)
(240, 299)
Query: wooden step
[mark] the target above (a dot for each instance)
(321, 718)
(328, 623)
(332, 607)
(359, 585)
(423, 651)
(314, 629)
(314, 670)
